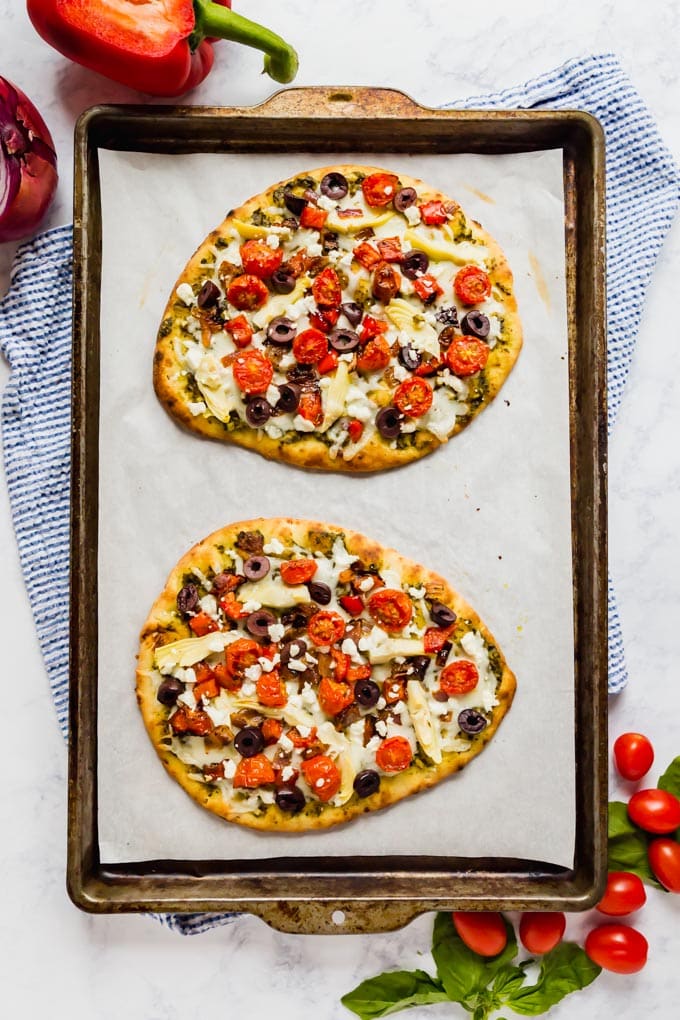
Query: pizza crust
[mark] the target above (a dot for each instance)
(305, 449)
(163, 625)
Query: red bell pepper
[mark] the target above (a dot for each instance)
(164, 49)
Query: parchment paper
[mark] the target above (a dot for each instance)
(489, 510)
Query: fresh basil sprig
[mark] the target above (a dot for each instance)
(481, 985)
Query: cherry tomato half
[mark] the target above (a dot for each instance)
(298, 571)
(413, 397)
(310, 406)
(309, 346)
(375, 355)
(379, 189)
(253, 772)
(334, 696)
(326, 288)
(617, 947)
(655, 811)
(633, 755)
(394, 755)
(483, 932)
(252, 371)
(467, 355)
(664, 859)
(326, 627)
(237, 658)
(271, 691)
(471, 285)
(247, 292)
(259, 259)
(541, 932)
(390, 608)
(433, 213)
(624, 894)
(323, 776)
(458, 678)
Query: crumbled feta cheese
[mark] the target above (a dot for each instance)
(295, 700)
(399, 708)
(273, 431)
(229, 769)
(349, 648)
(308, 696)
(251, 606)
(285, 742)
(185, 293)
(248, 689)
(366, 584)
(314, 250)
(359, 409)
(346, 357)
(409, 426)
(373, 745)
(301, 424)
(196, 407)
(266, 665)
(324, 202)
(209, 605)
(296, 666)
(319, 783)
(412, 214)
(193, 356)
(287, 773)
(254, 672)
(380, 704)
(388, 190)
(273, 547)
(304, 731)
(189, 675)
(417, 593)
(194, 327)
(400, 372)
(381, 727)
(275, 630)
(187, 698)
(273, 241)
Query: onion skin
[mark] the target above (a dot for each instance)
(27, 154)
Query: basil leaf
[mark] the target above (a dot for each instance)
(387, 993)
(463, 973)
(628, 845)
(670, 780)
(509, 979)
(565, 969)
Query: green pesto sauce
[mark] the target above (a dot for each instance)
(165, 327)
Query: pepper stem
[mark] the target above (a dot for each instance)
(281, 60)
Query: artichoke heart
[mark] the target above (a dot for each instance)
(335, 396)
(249, 230)
(427, 731)
(347, 774)
(422, 335)
(188, 651)
(269, 592)
(281, 303)
(297, 716)
(351, 224)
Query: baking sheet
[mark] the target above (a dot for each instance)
(490, 511)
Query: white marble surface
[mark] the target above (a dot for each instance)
(60, 962)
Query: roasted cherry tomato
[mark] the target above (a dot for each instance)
(259, 259)
(270, 690)
(299, 741)
(664, 859)
(326, 627)
(238, 656)
(334, 696)
(298, 571)
(428, 366)
(202, 624)
(634, 755)
(367, 255)
(253, 371)
(482, 931)
(329, 363)
(391, 608)
(312, 217)
(390, 249)
(471, 285)
(435, 638)
(427, 288)
(322, 775)
(355, 428)
(310, 406)
(433, 213)
(352, 604)
(467, 355)
(655, 811)
(253, 772)
(342, 662)
(413, 397)
(191, 720)
(375, 355)
(206, 688)
(541, 932)
(271, 730)
(371, 327)
(617, 947)
(624, 894)
(394, 755)
(231, 607)
(326, 288)
(358, 672)
(203, 672)
(241, 331)
(459, 677)
(386, 282)
(310, 346)
(379, 189)
(247, 292)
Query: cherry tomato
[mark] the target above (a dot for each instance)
(634, 755)
(435, 638)
(355, 429)
(342, 662)
(482, 932)
(358, 672)
(202, 624)
(253, 772)
(326, 627)
(655, 811)
(253, 372)
(471, 285)
(352, 604)
(259, 259)
(270, 690)
(459, 677)
(310, 406)
(329, 363)
(386, 282)
(271, 730)
(322, 775)
(366, 255)
(189, 720)
(541, 932)
(624, 894)
(238, 656)
(312, 217)
(664, 859)
(379, 189)
(298, 571)
(371, 327)
(427, 288)
(240, 329)
(206, 688)
(413, 397)
(310, 346)
(617, 947)
(375, 355)
(326, 288)
(467, 355)
(334, 696)
(390, 249)
(247, 292)
(390, 608)
(394, 755)
(433, 213)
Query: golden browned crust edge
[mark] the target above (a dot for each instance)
(308, 451)
(163, 624)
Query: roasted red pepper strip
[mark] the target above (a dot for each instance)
(164, 50)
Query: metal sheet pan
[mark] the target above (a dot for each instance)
(370, 893)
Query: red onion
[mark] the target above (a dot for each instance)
(28, 164)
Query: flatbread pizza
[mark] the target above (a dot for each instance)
(349, 318)
(293, 675)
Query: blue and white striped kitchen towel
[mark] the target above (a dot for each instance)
(643, 190)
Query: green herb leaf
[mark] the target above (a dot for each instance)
(628, 845)
(565, 969)
(463, 973)
(670, 780)
(387, 993)
(509, 979)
